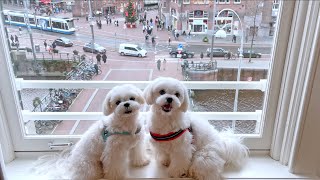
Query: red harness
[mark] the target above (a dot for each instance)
(170, 136)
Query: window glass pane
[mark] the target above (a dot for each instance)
(241, 52)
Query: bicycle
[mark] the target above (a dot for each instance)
(230, 55)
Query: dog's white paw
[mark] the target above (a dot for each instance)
(177, 173)
(141, 162)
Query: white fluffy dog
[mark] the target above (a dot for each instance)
(104, 149)
(189, 147)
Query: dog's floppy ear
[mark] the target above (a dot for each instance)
(107, 110)
(147, 93)
(140, 98)
(185, 104)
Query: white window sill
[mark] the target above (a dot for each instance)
(259, 166)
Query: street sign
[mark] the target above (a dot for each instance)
(180, 46)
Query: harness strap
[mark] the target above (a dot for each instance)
(105, 134)
(170, 136)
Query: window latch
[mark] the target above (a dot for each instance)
(59, 145)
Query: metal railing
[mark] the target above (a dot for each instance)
(203, 85)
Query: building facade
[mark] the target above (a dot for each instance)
(196, 16)
(81, 7)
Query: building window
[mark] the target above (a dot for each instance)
(164, 4)
(186, 1)
(237, 1)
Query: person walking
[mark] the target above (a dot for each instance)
(45, 44)
(16, 39)
(201, 55)
(98, 57)
(12, 39)
(164, 64)
(169, 41)
(234, 38)
(54, 45)
(104, 58)
(159, 64)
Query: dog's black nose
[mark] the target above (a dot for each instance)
(169, 100)
(126, 105)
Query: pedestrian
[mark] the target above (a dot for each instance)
(117, 23)
(96, 67)
(45, 44)
(54, 45)
(169, 41)
(110, 21)
(189, 34)
(11, 38)
(164, 64)
(16, 39)
(104, 58)
(107, 20)
(201, 55)
(234, 38)
(100, 24)
(163, 25)
(98, 57)
(159, 64)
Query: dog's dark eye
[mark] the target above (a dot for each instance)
(162, 92)
(132, 98)
(118, 102)
(177, 94)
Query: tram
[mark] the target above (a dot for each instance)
(45, 23)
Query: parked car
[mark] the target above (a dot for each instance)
(132, 50)
(217, 52)
(246, 54)
(96, 48)
(183, 53)
(63, 42)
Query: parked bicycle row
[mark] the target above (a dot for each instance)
(85, 70)
(60, 101)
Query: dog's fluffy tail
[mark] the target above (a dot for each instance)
(52, 166)
(235, 153)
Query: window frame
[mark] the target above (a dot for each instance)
(234, 2)
(22, 143)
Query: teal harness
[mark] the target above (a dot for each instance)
(105, 134)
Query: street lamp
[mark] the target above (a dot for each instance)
(235, 107)
(26, 14)
(260, 4)
(213, 33)
(91, 25)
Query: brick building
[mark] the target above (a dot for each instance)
(196, 16)
(105, 6)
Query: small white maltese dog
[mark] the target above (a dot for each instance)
(188, 147)
(104, 149)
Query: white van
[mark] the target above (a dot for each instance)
(132, 50)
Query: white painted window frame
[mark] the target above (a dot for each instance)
(285, 77)
(21, 142)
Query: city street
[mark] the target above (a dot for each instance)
(122, 68)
